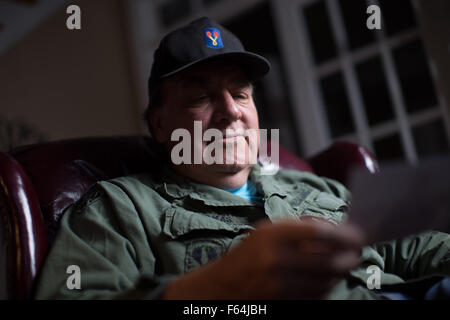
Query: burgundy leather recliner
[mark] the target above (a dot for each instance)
(38, 182)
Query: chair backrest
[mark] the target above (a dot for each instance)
(38, 182)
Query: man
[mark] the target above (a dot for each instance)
(220, 230)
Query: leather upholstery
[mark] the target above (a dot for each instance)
(337, 161)
(23, 226)
(38, 182)
(62, 171)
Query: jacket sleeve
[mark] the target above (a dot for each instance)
(105, 240)
(417, 256)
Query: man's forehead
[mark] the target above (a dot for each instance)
(206, 73)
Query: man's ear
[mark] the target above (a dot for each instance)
(156, 122)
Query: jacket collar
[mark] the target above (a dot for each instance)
(177, 186)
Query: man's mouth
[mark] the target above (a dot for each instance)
(232, 138)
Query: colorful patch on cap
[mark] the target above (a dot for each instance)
(213, 38)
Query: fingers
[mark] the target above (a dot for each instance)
(313, 276)
(313, 247)
(344, 236)
(305, 287)
(299, 259)
(337, 263)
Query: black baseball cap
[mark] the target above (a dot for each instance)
(202, 40)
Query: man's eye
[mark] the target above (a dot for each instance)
(198, 101)
(202, 98)
(240, 96)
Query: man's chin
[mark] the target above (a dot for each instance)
(231, 168)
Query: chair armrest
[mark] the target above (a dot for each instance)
(23, 225)
(287, 159)
(337, 161)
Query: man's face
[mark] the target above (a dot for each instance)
(219, 95)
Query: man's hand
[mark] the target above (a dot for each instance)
(283, 260)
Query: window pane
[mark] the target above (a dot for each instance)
(319, 31)
(388, 148)
(415, 79)
(431, 138)
(355, 17)
(337, 105)
(173, 11)
(398, 15)
(374, 89)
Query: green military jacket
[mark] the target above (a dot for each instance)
(130, 236)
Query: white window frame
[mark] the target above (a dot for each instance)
(304, 76)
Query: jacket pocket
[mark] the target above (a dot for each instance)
(204, 238)
(179, 222)
(326, 206)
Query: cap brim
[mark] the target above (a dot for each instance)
(254, 65)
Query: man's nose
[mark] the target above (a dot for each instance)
(226, 109)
